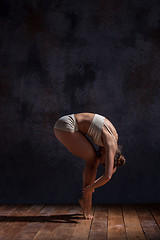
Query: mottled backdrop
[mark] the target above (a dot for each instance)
(68, 56)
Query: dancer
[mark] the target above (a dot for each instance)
(71, 131)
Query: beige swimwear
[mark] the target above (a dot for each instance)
(69, 123)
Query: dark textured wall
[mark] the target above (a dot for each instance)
(66, 56)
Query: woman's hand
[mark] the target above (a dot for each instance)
(114, 169)
(88, 189)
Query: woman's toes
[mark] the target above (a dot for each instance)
(88, 217)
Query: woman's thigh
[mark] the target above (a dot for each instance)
(78, 145)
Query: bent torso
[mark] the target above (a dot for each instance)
(84, 120)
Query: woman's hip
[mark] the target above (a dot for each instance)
(67, 123)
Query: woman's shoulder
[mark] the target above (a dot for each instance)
(110, 129)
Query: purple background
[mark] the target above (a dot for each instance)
(67, 56)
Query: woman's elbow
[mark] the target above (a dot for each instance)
(108, 177)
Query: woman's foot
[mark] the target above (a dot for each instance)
(86, 212)
(88, 216)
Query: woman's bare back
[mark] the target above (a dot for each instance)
(84, 120)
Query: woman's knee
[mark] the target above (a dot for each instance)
(78, 145)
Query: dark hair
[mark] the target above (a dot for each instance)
(119, 159)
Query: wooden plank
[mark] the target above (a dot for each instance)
(6, 210)
(155, 210)
(5, 213)
(64, 230)
(17, 220)
(150, 227)
(38, 218)
(49, 227)
(99, 224)
(82, 228)
(28, 222)
(2, 206)
(116, 228)
(132, 223)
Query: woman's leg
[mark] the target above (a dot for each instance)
(89, 176)
(79, 145)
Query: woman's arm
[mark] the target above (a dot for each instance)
(114, 169)
(99, 182)
(109, 162)
(103, 178)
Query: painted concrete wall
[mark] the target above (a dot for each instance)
(65, 56)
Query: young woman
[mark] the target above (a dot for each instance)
(70, 130)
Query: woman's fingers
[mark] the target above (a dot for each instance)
(87, 190)
(84, 191)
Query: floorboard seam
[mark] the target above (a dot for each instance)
(140, 221)
(91, 221)
(73, 228)
(124, 221)
(153, 217)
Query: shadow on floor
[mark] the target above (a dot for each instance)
(65, 218)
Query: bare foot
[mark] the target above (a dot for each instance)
(88, 216)
(85, 210)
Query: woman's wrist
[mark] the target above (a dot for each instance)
(91, 187)
(99, 182)
(88, 189)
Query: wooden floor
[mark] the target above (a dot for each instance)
(63, 222)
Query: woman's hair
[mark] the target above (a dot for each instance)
(119, 159)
